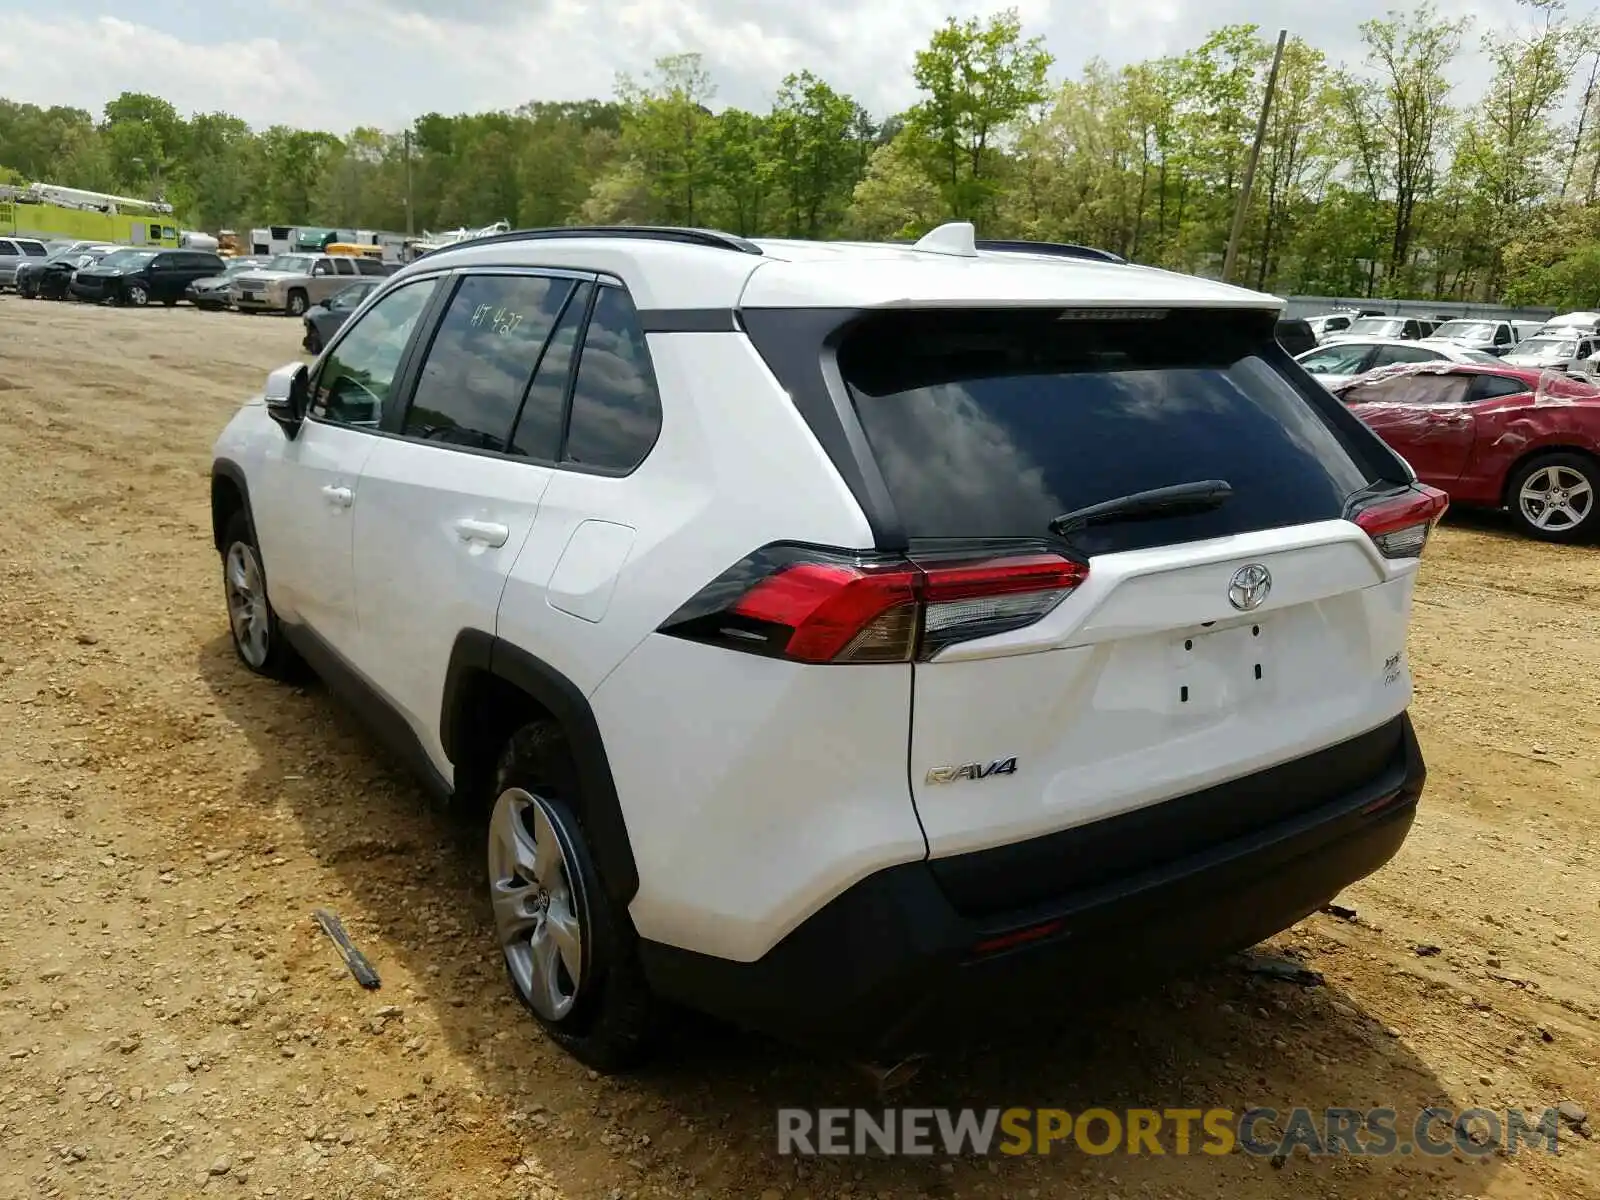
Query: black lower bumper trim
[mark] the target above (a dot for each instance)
(890, 964)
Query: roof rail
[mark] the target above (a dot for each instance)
(1058, 249)
(713, 239)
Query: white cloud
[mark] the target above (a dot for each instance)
(306, 62)
(85, 61)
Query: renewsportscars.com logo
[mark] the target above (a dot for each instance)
(1259, 1131)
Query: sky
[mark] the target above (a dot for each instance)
(338, 65)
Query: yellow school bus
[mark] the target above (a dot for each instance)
(373, 252)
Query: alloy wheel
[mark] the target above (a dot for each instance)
(536, 910)
(1556, 499)
(247, 604)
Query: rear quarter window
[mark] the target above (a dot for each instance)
(987, 425)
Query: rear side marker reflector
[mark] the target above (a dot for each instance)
(1399, 526)
(1019, 937)
(827, 606)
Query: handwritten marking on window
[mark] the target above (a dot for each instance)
(500, 320)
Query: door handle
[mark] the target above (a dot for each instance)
(339, 497)
(490, 533)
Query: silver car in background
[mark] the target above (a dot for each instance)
(14, 251)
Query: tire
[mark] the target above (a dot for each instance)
(136, 294)
(1575, 479)
(169, 304)
(297, 303)
(313, 340)
(257, 637)
(610, 1021)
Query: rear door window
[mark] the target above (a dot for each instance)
(987, 425)
(483, 358)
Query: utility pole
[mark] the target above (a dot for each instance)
(1243, 205)
(411, 227)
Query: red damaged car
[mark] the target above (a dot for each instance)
(1493, 436)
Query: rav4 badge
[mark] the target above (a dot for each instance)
(1000, 766)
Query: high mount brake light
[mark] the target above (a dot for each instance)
(1400, 525)
(823, 606)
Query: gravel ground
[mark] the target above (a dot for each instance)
(172, 1023)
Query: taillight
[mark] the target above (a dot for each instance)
(1399, 525)
(825, 606)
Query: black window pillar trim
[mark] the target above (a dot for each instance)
(688, 320)
(800, 348)
(574, 364)
(479, 653)
(538, 361)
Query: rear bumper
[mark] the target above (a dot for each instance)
(891, 966)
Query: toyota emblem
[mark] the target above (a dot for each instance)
(1249, 587)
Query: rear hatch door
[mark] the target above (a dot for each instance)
(1202, 646)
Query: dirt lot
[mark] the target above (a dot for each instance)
(172, 1024)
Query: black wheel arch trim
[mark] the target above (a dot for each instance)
(477, 652)
(227, 469)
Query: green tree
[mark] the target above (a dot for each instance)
(896, 199)
(821, 141)
(742, 170)
(978, 79)
(668, 129)
(1405, 117)
(146, 139)
(1510, 142)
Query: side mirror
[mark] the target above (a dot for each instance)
(287, 395)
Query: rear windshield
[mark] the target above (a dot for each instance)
(989, 424)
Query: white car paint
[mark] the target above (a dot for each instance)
(755, 790)
(1113, 730)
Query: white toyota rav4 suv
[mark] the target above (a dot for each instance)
(838, 636)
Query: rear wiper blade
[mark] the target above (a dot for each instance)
(1157, 502)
